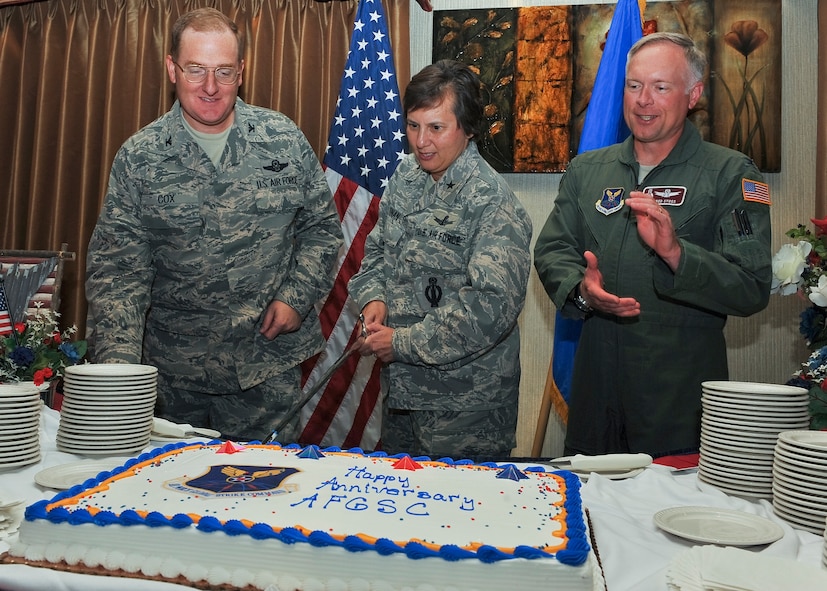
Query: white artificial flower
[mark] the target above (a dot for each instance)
(787, 266)
(818, 293)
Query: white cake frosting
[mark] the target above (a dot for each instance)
(277, 518)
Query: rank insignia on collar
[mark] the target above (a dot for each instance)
(611, 201)
(667, 195)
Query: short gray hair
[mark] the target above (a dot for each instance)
(695, 58)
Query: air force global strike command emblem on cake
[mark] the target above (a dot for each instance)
(226, 480)
(287, 518)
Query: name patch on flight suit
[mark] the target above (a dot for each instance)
(611, 200)
(672, 196)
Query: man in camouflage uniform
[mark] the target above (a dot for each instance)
(443, 281)
(217, 237)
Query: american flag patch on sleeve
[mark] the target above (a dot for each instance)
(756, 191)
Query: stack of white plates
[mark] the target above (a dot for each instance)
(799, 483)
(19, 425)
(824, 552)
(739, 427)
(107, 408)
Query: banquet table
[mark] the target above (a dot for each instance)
(634, 552)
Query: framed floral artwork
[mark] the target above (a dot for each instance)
(538, 63)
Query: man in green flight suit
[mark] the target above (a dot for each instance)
(654, 241)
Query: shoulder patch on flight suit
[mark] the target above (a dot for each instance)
(756, 191)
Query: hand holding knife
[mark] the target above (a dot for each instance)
(319, 383)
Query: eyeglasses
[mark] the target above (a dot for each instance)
(195, 73)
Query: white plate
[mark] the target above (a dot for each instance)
(736, 454)
(737, 490)
(812, 440)
(18, 390)
(759, 427)
(754, 484)
(6, 405)
(798, 459)
(753, 388)
(88, 451)
(797, 521)
(103, 405)
(736, 464)
(718, 400)
(113, 418)
(18, 417)
(718, 526)
(92, 396)
(815, 484)
(120, 370)
(24, 461)
(797, 503)
(740, 434)
(733, 449)
(747, 409)
(66, 476)
(611, 475)
(793, 495)
(809, 457)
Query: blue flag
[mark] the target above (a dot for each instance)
(603, 126)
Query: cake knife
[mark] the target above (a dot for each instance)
(318, 386)
(602, 463)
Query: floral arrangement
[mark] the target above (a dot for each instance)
(37, 350)
(801, 269)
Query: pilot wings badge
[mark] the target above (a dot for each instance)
(611, 201)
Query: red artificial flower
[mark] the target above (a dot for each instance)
(41, 375)
(821, 226)
(19, 327)
(56, 338)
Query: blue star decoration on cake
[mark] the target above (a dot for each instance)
(311, 452)
(511, 472)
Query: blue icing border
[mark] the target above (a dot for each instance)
(576, 551)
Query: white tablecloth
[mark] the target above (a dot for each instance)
(635, 554)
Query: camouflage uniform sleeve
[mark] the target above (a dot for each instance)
(488, 306)
(318, 236)
(118, 271)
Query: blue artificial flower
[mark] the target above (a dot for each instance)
(22, 356)
(70, 351)
(808, 324)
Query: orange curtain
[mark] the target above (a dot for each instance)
(80, 77)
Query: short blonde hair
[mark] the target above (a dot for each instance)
(204, 19)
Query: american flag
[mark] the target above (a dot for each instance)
(756, 191)
(366, 142)
(5, 317)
